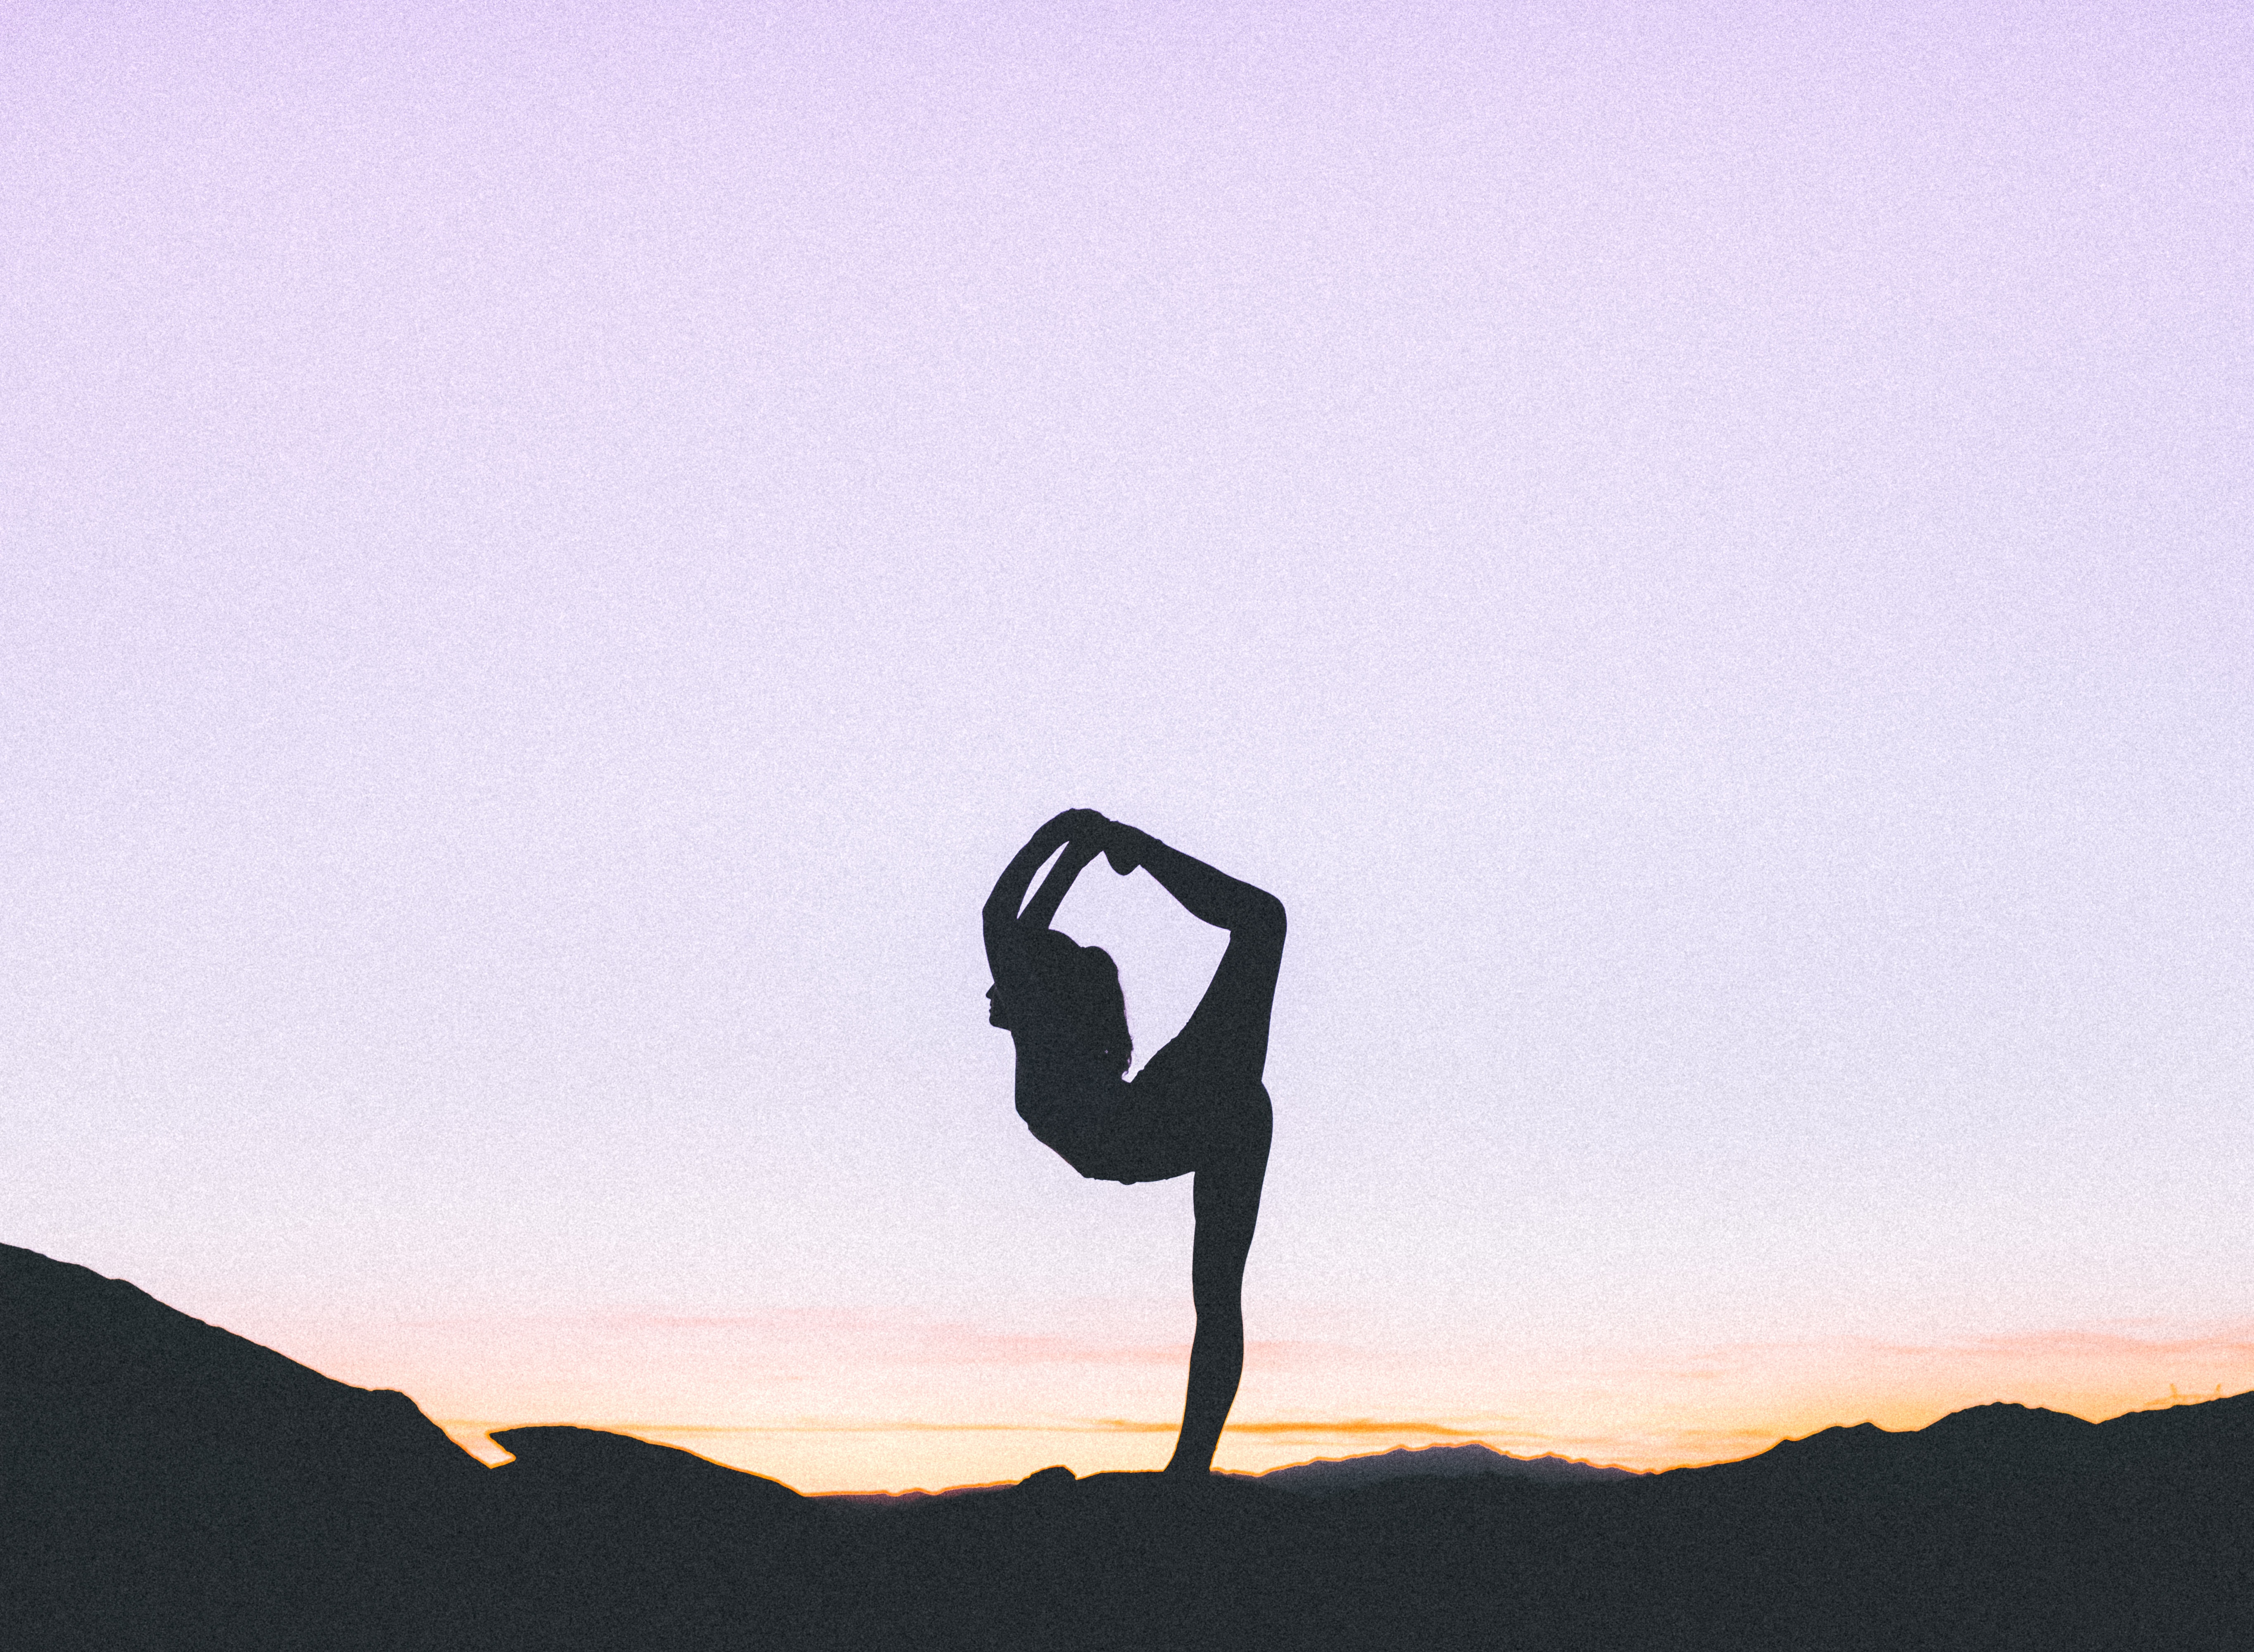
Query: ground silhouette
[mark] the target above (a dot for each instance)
(170, 1486)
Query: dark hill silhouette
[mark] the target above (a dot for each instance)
(633, 1476)
(145, 1451)
(169, 1485)
(614, 1542)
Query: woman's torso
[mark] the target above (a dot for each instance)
(1065, 1102)
(1162, 1124)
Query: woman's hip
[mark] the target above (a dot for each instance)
(1170, 1129)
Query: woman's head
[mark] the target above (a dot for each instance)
(1076, 998)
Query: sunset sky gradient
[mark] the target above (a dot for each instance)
(552, 552)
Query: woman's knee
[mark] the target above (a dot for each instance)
(1263, 920)
(1245, 1128)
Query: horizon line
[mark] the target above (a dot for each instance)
(1080, 1425)
(1279, 1427)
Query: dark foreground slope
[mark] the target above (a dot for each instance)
(169, 1486)
(160, 1473)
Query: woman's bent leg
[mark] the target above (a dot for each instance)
(1227, 1197)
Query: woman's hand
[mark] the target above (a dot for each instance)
(1084, 824)
(1001, 914)
(1124, 846)
(1085, 834)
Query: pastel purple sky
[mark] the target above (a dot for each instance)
(552, 552)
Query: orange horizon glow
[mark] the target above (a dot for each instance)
(1692, 1447)
(856, 1400)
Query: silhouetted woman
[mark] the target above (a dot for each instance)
(1197, 1107)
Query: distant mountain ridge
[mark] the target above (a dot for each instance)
(2003, 1438)
(1338, 1473)
(1999, 1437)
(1327, 1474)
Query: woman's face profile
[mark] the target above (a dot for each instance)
(996, 1016)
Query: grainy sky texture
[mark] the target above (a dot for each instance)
(551, 553)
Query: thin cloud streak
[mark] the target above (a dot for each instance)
(913, 1341)
(896, 1426)
(874, 1339)
(2237, 1341)
(1345, 1428)
(1350, 1427)
(2233, 1338)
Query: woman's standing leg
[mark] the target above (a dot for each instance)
(1215, 1062)
(1227, 1197)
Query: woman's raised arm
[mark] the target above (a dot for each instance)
(1001, 915)
(1041, 910)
